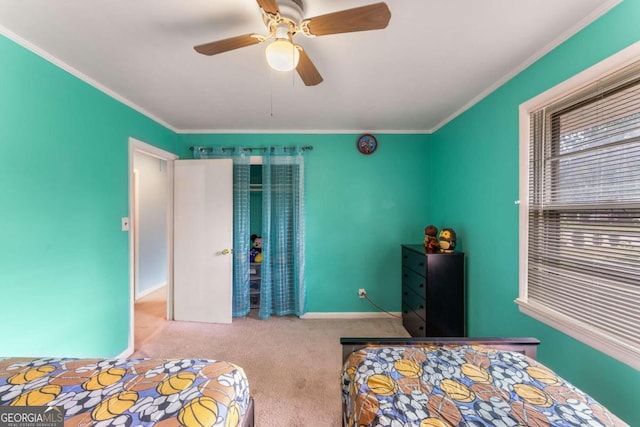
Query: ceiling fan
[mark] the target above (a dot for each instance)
(285, 21)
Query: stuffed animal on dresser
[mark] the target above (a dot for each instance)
(255, 254)
(447, 240)
(431, 239)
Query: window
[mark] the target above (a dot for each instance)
(580, 210)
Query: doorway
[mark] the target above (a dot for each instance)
(151, 228)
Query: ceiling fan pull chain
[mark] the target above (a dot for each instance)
(293, 77)
(271, 97)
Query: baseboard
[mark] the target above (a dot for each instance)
(352, 315)
(125, 354)
(150, 290)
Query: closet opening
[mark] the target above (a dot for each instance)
(255, 228)
(268, 204)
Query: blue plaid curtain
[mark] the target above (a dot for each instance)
(282, 289)
(241, 219)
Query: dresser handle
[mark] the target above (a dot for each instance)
(421, 264)
(406, 293)
(406, 275)
(405, 256)
(421, 285)
(421, 307)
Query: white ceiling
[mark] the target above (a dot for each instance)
(434, 60)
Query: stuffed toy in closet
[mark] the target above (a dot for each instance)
(255, 254)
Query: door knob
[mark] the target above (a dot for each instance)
(227, 251)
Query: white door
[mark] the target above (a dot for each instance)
(203, 237)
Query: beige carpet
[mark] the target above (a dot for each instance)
(293, 365)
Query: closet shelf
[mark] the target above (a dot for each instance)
(255, 270)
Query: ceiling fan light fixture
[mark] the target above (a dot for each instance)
(282, 55)
(283, 19)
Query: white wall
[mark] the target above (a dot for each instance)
(151, 222)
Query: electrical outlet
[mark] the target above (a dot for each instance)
(362, 293)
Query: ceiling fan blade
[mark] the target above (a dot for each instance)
(226, 45)
(372, 17)
(269, 6)
(306, 70)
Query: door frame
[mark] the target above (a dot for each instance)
(137, 146)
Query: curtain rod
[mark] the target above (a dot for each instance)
(250, 149)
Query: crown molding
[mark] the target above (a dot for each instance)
(570, 32)
(78, 74)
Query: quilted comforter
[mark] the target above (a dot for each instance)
(129, 392)
(438, 386)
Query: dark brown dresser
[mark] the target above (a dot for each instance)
(432, 293)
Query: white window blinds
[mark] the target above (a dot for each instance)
(583, 215)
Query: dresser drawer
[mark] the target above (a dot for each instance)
(413, 281)
(413, 260)
(415, 303)
(412, 322)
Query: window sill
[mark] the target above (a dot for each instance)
(618, 350)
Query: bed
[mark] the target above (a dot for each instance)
(130, 392)
(440, 382)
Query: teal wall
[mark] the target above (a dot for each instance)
(359, 209)
(474, 183)
(64, 271)
(64, 262)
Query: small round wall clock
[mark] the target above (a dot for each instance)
(367, 143)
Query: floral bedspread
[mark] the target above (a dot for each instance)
(461, 386)
(129, 392)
